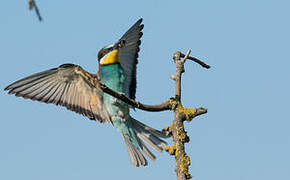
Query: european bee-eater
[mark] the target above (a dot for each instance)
(71, 86)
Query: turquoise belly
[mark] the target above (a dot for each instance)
(113, 76)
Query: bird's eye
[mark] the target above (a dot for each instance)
(105, 51)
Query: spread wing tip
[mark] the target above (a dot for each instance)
(68, 85)
(7, 88)
(140, 21)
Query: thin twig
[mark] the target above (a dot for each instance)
(186, 56)
(167, 105)
(32, 5)
(196, 60)
(154, 108)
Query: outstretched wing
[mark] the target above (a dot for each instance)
(128, 54)
(68, 85)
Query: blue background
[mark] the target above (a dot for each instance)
(245, 134)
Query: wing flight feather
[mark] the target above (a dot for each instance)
(68, 85)
(128, 54)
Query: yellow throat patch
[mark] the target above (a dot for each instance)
(111, 58)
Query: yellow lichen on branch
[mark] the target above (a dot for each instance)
(174, 103)
(183, 138)
(185, 163)
(167, 128)
(171, 149)
(182, 135)
(189, 113)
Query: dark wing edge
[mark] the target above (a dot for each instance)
(68, 85)
(128, 54)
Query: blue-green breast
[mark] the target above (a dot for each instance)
(113, 76)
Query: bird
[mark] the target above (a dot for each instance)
(71, 86)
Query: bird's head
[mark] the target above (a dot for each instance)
(109, 55)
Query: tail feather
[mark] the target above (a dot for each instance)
(150, 135)
(136, 157)
(152, 143)
(150, 129)
(146, 151)
(144, 134)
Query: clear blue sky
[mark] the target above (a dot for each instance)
(244, 136)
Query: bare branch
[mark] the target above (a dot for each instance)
(182, 160)
(186, 56)
(196, 60)
(154, 108)
(32, 5)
